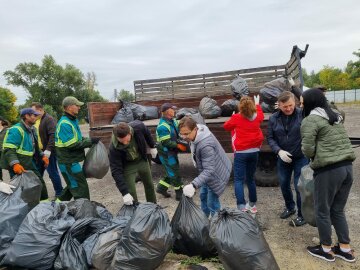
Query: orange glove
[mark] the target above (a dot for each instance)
(18, 169)
(45, 159)
(181, 147)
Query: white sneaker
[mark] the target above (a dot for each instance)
(251, 209)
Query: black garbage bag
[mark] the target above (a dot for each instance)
(14, 207)
(208, 108)
(267, 108)
(239, 87)
(193, 113)
(38, 240)
(306, 189)
(145, 241)
(103, 251)
(72, 254)
(240, 242)
(83, 208)
(190, 227)
(102, 211)
(142, 113)
(127, 210)
(229, 106)
(125, 114)
(96, 164)
(271, 91)
(280, 83)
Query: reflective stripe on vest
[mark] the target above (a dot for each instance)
(163, 138)
(19, 150)
(58, 142)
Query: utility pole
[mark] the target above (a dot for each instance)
(115, 94)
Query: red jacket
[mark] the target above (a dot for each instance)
(245, 134)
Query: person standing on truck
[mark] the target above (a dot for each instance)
(21, 150)
(128, 158)
(326, 143)
(46, 127)
(70, 150)
(284, 139)
(4, 125)
(246, 137)
(211, 161)
(169, 144)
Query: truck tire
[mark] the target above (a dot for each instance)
(266, 171)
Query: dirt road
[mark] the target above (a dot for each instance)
(288, 244)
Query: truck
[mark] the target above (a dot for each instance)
(187, 91)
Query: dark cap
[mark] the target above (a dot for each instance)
(167, 106)
(28, 111)
(68, 101)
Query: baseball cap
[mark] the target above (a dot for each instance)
(68, 101)
(167, 106)
(28, 111)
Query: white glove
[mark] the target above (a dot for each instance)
(47, 153)
(291, 81)
(257, 99)
(6, 188)
(128, 199)
(276, 105)
(285, 156)
(153, 152)
(189, 190)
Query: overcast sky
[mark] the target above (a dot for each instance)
(123, 41)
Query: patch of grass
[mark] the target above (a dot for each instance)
(198, 260)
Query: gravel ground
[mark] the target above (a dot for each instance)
(288, 244)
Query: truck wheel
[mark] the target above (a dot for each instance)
(266, 171)
(266, 179)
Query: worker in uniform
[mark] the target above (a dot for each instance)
(169, 144)
(70, 150)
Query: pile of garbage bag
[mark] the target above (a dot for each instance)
(193, 113)
(131, 111)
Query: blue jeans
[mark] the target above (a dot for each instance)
(244, 170)
(209, 201)
(284, 171)
(54, 175)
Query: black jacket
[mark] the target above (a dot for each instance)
(117, 156)
(47, 131)
(284, 133)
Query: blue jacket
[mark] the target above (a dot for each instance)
(284, 133)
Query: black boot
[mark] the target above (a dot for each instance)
(163, 191)
(178, 193)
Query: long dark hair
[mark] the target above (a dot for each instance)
(313, 98)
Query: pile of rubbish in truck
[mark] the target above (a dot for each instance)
(83, 234)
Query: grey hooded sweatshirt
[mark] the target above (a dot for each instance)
(211, 161)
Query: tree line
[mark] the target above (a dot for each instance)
(335, 78)
(49, 82)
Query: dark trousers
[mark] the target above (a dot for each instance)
(54, 175)
(76, 184)
(172, 169)
(285, 171)
(332, 188)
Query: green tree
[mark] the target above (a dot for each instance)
(7, 105)
(49, 83)
(353, 69)
(312, 79)
(125, 95)
(334, 78)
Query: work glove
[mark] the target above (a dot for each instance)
(128, 199)
(18, 169)
(45, 159)
(6, 188)
(153, 152)
(189, 190)
(276, 105)
(94, 140)
(257, 99)
(291, 81)
(285, 156)
(47, 153)
(181, 147)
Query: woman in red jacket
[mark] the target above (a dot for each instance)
(246, 137)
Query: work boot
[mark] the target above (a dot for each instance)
(178, 194)
(163, 191)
